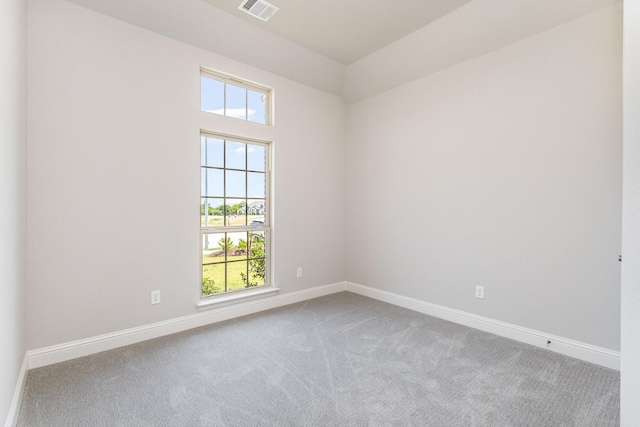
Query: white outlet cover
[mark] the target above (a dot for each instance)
(155, 297)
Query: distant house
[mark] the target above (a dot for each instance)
(254, 208)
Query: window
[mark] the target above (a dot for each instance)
(221, 94)
(234, 213)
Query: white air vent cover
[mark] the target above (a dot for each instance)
(259, 8)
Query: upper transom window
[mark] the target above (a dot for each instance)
(231, 97)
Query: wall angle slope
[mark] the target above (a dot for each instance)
(473, 30)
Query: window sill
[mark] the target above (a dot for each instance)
(236, 297)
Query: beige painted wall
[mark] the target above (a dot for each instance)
(114, 175)
(475, 29)
(630, 370)
(503, 171)
(13, 134)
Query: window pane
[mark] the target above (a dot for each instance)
(236, 102)
(211, 212)
(255, 184)
(236, 212)
(213, 255)
(255, 212)
(236, 154)
(236, 275)
(238, 247)
(211, 95)
(211, 152)
(256, 157)
(256, 258)
(213, 279)
(234, 99)
(257, 272)
(212, 182)
(224, 244)
(210, 243)
(256, 108)
(236, 183)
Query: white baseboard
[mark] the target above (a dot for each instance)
(16, 402)
(589, 353)
(72, 350)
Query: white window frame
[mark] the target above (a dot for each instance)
(228, 79)
(267, 287)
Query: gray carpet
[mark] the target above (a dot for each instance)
(339, 360)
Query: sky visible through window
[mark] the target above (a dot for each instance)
(230, 100)
(238, 155)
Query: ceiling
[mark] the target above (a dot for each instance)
(354, 49)
(346, 30)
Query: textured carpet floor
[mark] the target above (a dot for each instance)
(339, 360)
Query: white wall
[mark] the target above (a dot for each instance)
(114, 181)
(475, 29)
(504, 171)
(630, 384)
(199, 24)
(13, 108)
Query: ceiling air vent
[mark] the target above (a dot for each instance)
(259, 8)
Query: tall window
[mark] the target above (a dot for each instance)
(225, 95)
(234, 196)
(234, 213)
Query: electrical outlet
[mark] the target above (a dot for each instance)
(299, 272)
(155, 297)
(480, 292)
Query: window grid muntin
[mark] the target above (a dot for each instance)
(226, 262)
(246, 198)
(247, 85)
(227, 229)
